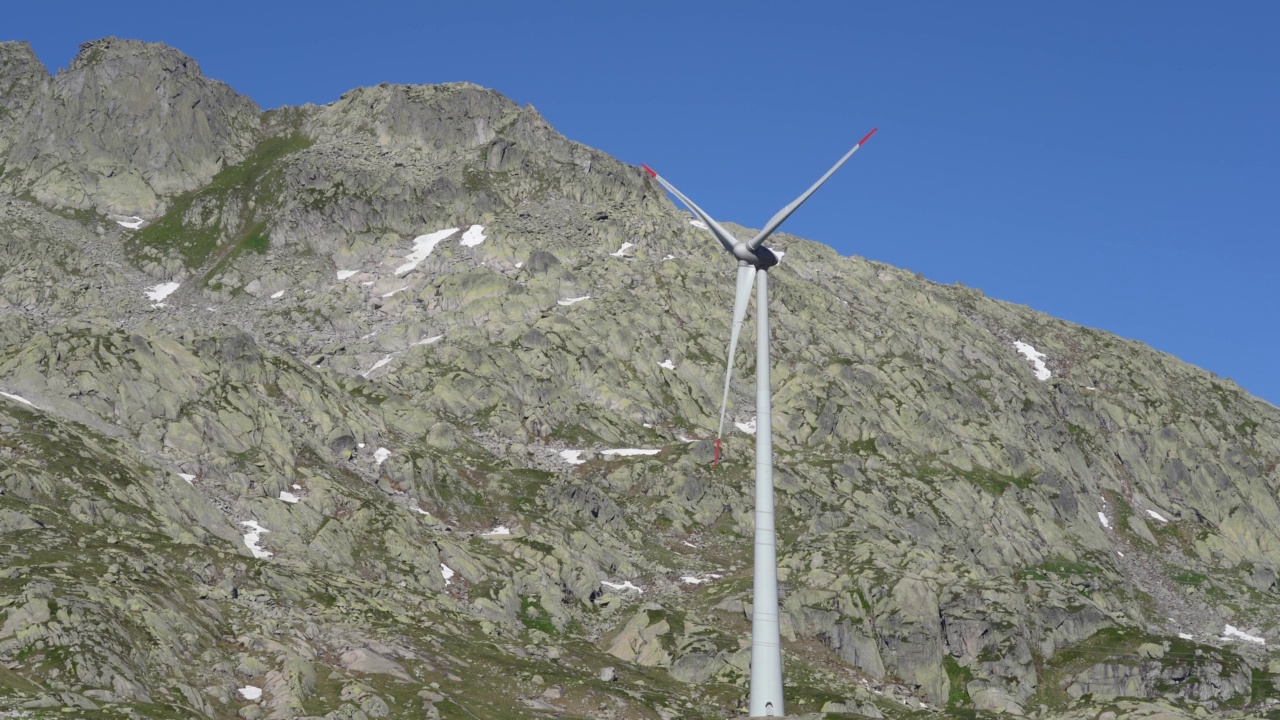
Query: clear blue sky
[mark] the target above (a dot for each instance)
(1113, 164)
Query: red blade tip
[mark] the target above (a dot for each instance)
(717, 460)
(649, 170)
(868, 136)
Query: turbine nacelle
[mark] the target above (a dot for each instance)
(762, 258)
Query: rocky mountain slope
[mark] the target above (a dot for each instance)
(400, 407)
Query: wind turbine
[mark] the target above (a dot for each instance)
(754, 261)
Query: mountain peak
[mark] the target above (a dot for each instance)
(128, 123)
(17, 53)
(105, 50)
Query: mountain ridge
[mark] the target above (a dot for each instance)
(954, 529)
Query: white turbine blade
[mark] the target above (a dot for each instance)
(785, 212)
(746, 279)
(724, 236)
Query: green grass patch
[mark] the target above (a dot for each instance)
(1264, 685)
(807, 691)
(993, 482)
(1052, 567)
(1079, 436)
(535, 617)
(960, 677)
(198, 242)
(541, 547)
(865, 447)
(1112, 640)
(1190, 577)
(256, 239)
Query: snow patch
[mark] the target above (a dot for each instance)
(448, 574)
(133, 222)
(1102, 518)
(377, 365)
(473, 236)
(420, 511)
(519, 265)
(669, 257)
(252, 537)
(695, 580)
(622, 250)
(423, 245)
(289, 497)
(1030, 353)
(277, 295)
(159, 292)
(699, 224)
(667, 364)
(1185, 636)
(573, 457)
(381, 454)
(500, 530)
(249, 692)
(747, 427)
(1232, 631)
(20, 399)
(191, 479)
(393, 292)
(570, 301)
(624, 585)
(429, 341)
(628, 452)
(344, 274)
(1157, 516)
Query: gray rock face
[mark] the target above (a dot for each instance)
(24, 80)
(127, 124)
(1206, 681)
(434, 120)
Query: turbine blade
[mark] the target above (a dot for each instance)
(724, 236)
(746, 279)
(785, 212)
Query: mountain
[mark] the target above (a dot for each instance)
(324, 412)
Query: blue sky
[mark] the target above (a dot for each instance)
(1113, 164)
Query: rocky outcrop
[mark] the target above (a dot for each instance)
(126, 126)
(24, 80)
(1203, 682)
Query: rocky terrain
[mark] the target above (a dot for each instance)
(401, 407)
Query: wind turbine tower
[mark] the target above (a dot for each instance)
(754, 262)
